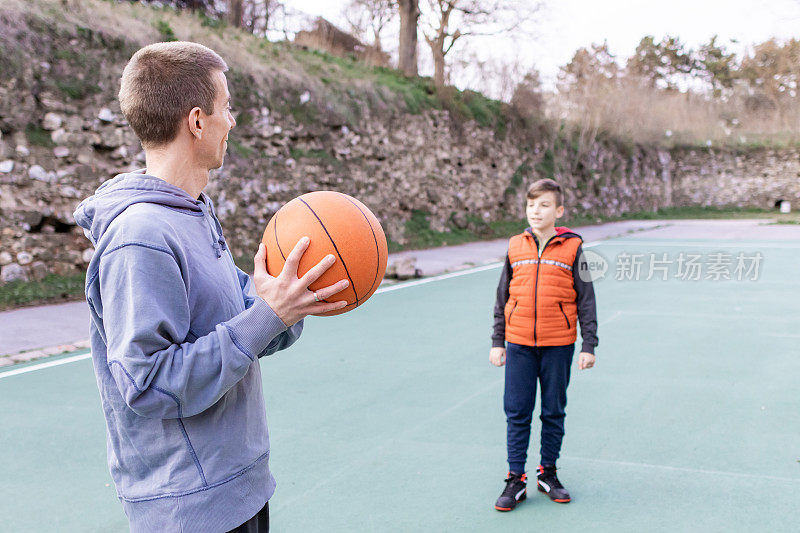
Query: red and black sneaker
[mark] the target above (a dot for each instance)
(548, 482)
(515, 491)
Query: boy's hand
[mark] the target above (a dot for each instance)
(289, 296)
(585, 360)
(497, 356)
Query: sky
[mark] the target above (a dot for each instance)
(563, 26)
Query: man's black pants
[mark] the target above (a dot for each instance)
(258, 524)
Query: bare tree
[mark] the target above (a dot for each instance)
(235, 12)
(527, 99)
(285, 21)
(370, 16)
(588, 68)
(447, 21)
(493, 76)
(258, 16)
(407, 52)
(772, 71)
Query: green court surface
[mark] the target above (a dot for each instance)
(390, 418)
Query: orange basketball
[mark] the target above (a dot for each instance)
(337, 224)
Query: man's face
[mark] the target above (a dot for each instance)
(543, 211)
(215, 134)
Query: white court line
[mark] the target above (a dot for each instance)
(437, 278)
(713, 245)
(614, 316)
(454, 274)
(72, 359)
(723, 316)
(375, 452)
(48, 364)
(679, 469)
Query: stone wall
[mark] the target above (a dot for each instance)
(459, 175)
(725, 178)
(62, 135)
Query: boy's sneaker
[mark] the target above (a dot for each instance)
(548, 483)
(515, 492)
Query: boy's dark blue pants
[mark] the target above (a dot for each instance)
(550, 365)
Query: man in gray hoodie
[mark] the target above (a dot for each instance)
(175, 333)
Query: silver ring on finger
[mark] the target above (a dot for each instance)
(316, 298)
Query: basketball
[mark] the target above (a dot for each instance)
(337, 224)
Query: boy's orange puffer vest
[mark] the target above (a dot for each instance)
(541, 308)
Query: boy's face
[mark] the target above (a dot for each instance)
(543, 211)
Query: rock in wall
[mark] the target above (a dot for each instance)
(728, 178)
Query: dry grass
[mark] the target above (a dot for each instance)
(137, 23)
(643, 115)
(269, 64)
(279, 72)
(623, 109)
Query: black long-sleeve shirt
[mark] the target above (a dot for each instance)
(587, 309)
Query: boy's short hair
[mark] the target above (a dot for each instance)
(542, 186)
(162, 82)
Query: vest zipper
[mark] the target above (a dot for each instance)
(565, 314)
(512, 311)
(536, 284)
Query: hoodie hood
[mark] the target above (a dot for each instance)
(561, 231)
(97, 212)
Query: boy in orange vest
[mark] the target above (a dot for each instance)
(540, 298)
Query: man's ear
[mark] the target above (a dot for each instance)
(195, 123)
(560, 211)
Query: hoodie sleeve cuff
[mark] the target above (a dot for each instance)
(253, 329)
(588, 347)
(498, 343)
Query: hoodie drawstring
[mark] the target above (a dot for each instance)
(218, 243)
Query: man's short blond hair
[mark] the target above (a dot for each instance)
(162, 82)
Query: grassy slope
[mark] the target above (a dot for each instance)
(260, 72)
